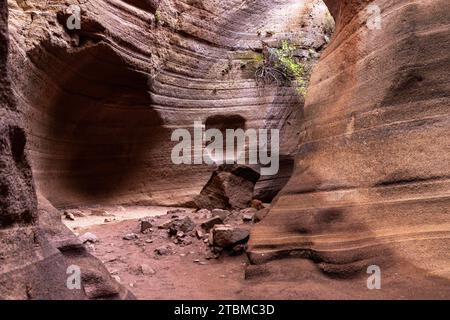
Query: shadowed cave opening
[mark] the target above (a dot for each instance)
(95, 129)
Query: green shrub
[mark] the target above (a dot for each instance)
(279, 65)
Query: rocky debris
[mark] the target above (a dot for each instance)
(183, 231)
(227, 236)
(185, 225)
(182, 239)
(130, 236)
(260, 215)
(257, 204)
(222, 214)
(210, 223)
(230, 187)
(146, 223)
(69, 216)
(146, 270)
(88, 237)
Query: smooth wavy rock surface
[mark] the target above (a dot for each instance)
(371, 181)
(102, 102)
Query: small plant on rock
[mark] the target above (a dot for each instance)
(280, 66)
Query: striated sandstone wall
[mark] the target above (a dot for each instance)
(101, 102)
(35, 248)
(371, 182)
(371, 174)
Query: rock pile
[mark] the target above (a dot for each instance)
(218, 230)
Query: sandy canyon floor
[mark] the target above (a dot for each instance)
(152, 266)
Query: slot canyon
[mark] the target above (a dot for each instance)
(87, 178)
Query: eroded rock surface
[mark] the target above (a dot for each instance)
(101, 102)
(371, 179)
(36, 250)
(97, 106)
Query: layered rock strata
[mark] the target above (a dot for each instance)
(102, 101)
(371, 180)
(36, 250)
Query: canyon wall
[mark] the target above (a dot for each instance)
(371, 181)
(102, 101)
(92, 111)
(36, 250)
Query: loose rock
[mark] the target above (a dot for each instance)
(227, 236)
(146, 270)
(163, 250)
(130, 236)
(88, 237)
(146, 223)
(69, 216)
(210, 223)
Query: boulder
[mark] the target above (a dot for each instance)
(230, 187)
(88, 237)
(227, 236)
